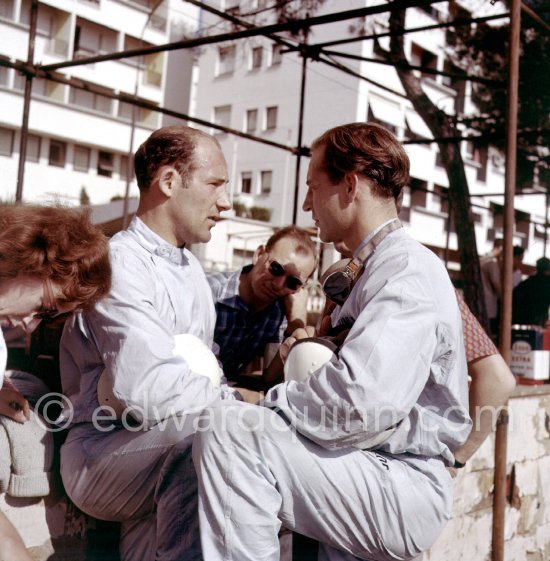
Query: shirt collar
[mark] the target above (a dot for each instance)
(156, 245)
(230, 293)
(370, 236)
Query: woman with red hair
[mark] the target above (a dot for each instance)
(53, 261)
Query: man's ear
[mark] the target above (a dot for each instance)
(260, 250)
(351, 182)
(168, 178)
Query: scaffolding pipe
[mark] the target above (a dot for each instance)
(454, 23)
(396, 5)
(300, 136)
(448, 227)
(26, 105)
(131, 99)
(425, 70)
(499, 500)
(546, 221)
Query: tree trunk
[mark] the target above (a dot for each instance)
(442, 126)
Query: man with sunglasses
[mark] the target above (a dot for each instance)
(255, 305)
(303, 460)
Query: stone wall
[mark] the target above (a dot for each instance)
(467, 536)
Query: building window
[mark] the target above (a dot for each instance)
(251, 120)
(91, 39)
(81, 158)
(131, 43)
(382, 116)
(7, 9)
(91, 100)
(270, 118)
(58, 150)
(18, 81)
(4, 75)
(256, 59)
(267, 179)
(39, 87)
(151, 64)
(125, 111)
(159, 19)
(419, 191)
(153, 69)
(441, 198)
(46, 18)
(246, 182)
(33, 148)
(424, 58)
(276, 55)
(226, 60)
(105, 164)
(222, 115)
(6, 142)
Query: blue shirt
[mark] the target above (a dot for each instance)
(241, 334)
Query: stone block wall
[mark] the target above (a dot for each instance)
(467, 536)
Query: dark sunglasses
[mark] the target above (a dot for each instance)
(277, 270)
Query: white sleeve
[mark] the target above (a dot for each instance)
(382, 368)
(136, 347)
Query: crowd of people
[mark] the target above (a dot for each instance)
(195, 469)
(530, 297)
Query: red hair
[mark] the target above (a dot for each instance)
(56, 243)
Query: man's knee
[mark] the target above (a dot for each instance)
(226, 423)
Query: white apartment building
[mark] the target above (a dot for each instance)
(254, 86)
(80, 140)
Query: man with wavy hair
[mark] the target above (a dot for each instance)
(306, 459)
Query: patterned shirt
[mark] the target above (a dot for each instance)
(240, 333)
(476, 342)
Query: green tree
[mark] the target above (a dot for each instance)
(482, 50)
(441, 126)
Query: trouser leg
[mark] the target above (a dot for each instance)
(177, 521)
(255, 473)
(328, 553)
(115, 475)
(138, 539)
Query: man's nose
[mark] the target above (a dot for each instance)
(280, 282)
(306, 207)
(223, 202)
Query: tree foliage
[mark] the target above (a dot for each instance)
(482, 50)
(442, 126)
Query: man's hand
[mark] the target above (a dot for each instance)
(296, 309)
(249, 396)
(300, 333)
(13, 404)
